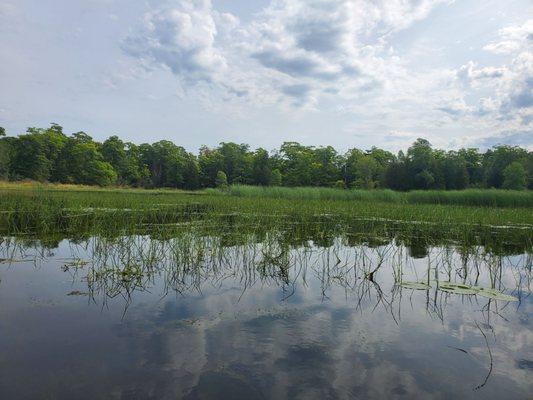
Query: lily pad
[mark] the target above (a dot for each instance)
(415, 285)
(454, 285)
(458, 290)
(496, 295)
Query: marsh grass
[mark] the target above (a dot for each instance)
(38, 210)
(470, 197)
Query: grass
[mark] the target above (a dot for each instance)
(71, 211)
(191, 229)
(470, 197)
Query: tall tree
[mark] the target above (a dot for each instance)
(237, 162)
(210, 162)
(514, 176)
(29, 159)
(325, 167)
(124, 157)
(82, 162)
(297, 164)
(497, 159)
(261, 168)
(421, 165)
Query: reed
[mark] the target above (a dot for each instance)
(470, 197)
(47, 210)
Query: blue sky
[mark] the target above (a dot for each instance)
(348, 73)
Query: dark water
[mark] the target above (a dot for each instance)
(192, 317)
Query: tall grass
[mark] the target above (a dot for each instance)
(314, 193)
(470, 197)
(45, 209)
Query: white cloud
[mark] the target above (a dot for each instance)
(513, 39)
(501, 96)
(338, 56)
(468, 74)
(294, 49)
(182, 38)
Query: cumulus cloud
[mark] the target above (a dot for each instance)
(293, 49)
(514, 138)
(182, 37)
(515, 93)
(311, 54)
(334, 45)
(469, 74)
(455, 108)
(502, 93)
(512, 39)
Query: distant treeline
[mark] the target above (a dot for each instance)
(48, 155)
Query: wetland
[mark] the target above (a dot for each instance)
(163, 294)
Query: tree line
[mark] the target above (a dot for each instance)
(49, 155)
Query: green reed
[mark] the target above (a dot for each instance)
(470, 197)
(86, 212)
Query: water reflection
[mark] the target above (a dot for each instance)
(278, 313)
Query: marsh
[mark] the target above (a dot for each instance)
(229, 305)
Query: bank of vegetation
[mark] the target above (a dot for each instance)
(30, 207)
(49, 155)
(467, 197)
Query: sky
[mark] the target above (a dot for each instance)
(346, 73)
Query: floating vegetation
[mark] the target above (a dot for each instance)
(77, 263)
(11, 260)
(457, 290)
(415, 285)
(464, 289)
(77, 293)
(494, 294)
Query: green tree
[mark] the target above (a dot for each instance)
(474, 166)
(367, 172)
(191, 174)
(221, 181)
(53, 140)
(421, 165)
(82, 162)
(297, 164)
(261, 168)
(29, 158)
(454, 171)
(210, 162)
(497, 159)
(325, 166)
(167, 163)
(124, 157)
(236, 162)
(515, 176)
(47, 154)
(397, 174)
(424, 180)
(276, 179)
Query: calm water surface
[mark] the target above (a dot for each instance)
(194, 317)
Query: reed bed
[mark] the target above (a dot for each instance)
(470, 197)
(43, 209)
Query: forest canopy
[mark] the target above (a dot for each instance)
(49, 155)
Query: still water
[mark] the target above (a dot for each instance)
(197, 317)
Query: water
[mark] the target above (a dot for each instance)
(201, 316)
